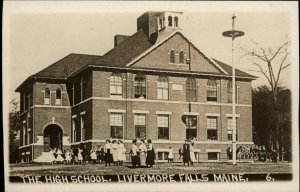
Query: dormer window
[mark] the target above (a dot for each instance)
(47, 96)
(176, 22)
(172, 56)
(170, 21)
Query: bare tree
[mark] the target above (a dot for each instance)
(270, 62)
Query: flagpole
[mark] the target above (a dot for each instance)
(233, 34)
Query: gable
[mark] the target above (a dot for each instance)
(159, 58)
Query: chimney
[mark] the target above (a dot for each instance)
(148, 22)
(119, 39)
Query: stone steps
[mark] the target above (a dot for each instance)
(46, 157)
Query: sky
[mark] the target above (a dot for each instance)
(38, 34)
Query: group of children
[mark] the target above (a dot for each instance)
(113, 152)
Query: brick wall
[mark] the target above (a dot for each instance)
(160, 57)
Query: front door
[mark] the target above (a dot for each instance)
(52, 137)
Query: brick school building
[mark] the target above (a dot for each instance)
(154, 84)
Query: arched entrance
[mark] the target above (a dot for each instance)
(53, 135)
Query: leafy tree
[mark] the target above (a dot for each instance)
(263, 117)
(14, 127)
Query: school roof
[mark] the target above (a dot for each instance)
(125, 53)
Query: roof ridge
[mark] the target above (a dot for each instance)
(127, 39)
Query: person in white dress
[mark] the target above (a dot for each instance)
(93, 155)
(143, 151)
(80, 157)
(114, 149)
(192, 154)
(59, 157)
(68, 156)
(121, 153)
(170, 155)
(53, 159)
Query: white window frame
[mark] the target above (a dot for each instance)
(162, 89)
(47, 98)
(60, 100)
(164, 115)
(230, 130)
(24, 133)
(211, 128)
(116, 94)
(74, 129)
(122, 115)
(134, 123)
(82, 126)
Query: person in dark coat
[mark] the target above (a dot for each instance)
(135, 159)
(186, 153)
(150, 159)
(108, 153)
(75, 154)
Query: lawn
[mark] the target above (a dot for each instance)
(160, 168)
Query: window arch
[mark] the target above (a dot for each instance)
(212, 90)
(229, 92)
(47, 96)
(116, 85)
(140, 86)
(58, 97)
(163, 88)
(170, 21)
(181, 57)
(191, 90)
(172, 56)
(176, 22)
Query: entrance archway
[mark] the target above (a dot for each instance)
(53, 135)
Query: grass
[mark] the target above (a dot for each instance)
(160, 168)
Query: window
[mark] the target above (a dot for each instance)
(229, 92)
(191, 127)
(163, 126)
(213, 156)
(181, 57)
(116, 125)
(212, 90)
(24, 134)
(163, 88)
(162, 155)
(212, 131)
(230, 128)
(26, 102)
(140, 126)
(140, 86)
(172, 56)
(77, 90)
(176, 22)
(161, 23)
(73, 130)
(170, 21)
(116, 85)
(58, 97)
(82, 128)
(29, 101)
(85, 82)
(190, 90)
(47, 96)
